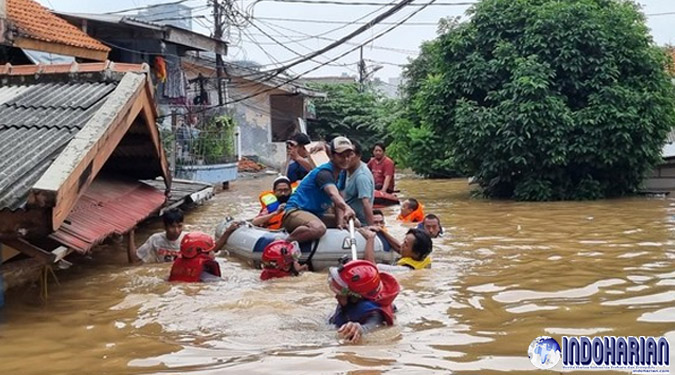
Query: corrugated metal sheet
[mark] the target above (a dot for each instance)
(64, 95)
(25, 154)
(107, 207)
(36, 122)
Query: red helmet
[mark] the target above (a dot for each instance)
(361, 278)
(194, 243)
(280, 255)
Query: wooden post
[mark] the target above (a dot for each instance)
(174, 146)
(131, 246)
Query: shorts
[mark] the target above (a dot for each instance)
(296, 218)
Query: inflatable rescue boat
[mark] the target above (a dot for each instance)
(248, 242)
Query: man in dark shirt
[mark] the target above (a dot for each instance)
(301, 163)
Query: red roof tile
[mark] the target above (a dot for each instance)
(36, 22)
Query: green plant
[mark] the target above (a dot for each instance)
(360, 115)
(215, 142)
(541, 99)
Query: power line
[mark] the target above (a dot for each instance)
(271, 27)
(392, 49)
(333, 2)
(323, 64)
(302, 20)
(275, 72)
(351, 35)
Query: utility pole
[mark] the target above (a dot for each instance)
(362, 70)
(218, 34)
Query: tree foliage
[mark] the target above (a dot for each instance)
(360, 115)
(541, 99)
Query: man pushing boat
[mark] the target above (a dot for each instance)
(305, 216)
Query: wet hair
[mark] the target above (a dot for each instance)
(357, 149)
(380, 145)
(172, 216)
(432, 217)
(301, 139)
(378, 212)
(413, 203)
(423, 245)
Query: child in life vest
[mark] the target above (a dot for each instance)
(280, 259)
(365, 298)
(415, 249)
(412, 211)
(195, 263)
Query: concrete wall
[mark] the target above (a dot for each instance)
(662, 178)
(254, 115)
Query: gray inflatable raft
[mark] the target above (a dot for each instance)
(248, 242)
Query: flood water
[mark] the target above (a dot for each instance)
(504, 273)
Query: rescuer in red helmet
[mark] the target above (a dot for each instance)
(194, 259)
(365, 298)
(280, 259)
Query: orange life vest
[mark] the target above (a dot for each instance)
(270, 204)
(189, 270)
(413, 217)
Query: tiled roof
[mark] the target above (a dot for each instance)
(36, 22)
(40, 114)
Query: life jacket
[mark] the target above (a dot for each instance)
(189, 270)
(413, 217)
(360, 311)
(270, 203)
(415, 264)
(273, 273)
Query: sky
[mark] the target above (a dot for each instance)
(385, 54)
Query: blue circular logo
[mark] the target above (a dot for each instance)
(544, 352)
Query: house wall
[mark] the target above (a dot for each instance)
(253, 115)
(662, 178)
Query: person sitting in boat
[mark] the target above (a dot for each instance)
(365, 299)
(412, 211)
(163, 246)
(197, 257)
(415, 250)
(378, 220)
(273, 204)
(300, 162)
(432, 225)
(383, 169)
(280, 259)
(305, 215)
(360, 188)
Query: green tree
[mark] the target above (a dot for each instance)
(543, 99)
(360, 115)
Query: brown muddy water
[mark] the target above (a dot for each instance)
(504, 274)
